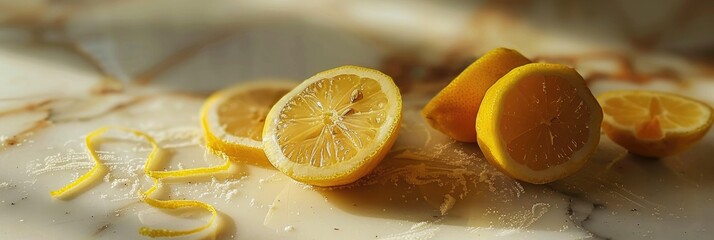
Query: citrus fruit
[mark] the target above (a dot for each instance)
(539, 123)
(453, 110)
(233, 118)
(335, 127)
(654, 124)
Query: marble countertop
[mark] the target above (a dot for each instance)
(66, 69)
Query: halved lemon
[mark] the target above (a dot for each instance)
(654, 124)
(539, 123)
(335, 127)
(453, 110)
(233, 118)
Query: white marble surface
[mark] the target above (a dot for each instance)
(66, 69)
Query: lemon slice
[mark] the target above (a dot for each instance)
(453, 110)
(233, 118)
(335, 127)
(654, 124)
(539, 123)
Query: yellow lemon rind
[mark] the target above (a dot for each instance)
(155, 175)
(454, 109)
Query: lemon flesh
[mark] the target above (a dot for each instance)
(654, 124)
(539, 123)
(233, 119)
(335, 127)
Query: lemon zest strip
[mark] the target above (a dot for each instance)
(174, 204)
(187, 172)
(156, 176)
(97, 164)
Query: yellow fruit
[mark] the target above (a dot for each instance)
(233, 119)
(335, 127)
(654, 124)
(453, 110)
(539, 123)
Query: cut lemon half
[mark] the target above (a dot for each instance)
(453, 110)
(233, 118)
(654, 124)
(335, 127)
(539, 123)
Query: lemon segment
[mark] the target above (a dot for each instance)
(654, 124)
(539, 123)
(335, 127)
(453, 110)
(233, 119)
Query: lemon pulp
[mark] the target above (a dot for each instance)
(539, 131)
(244, 114)
(335, 127)
(654, 124)
(232, 119)
(337, 118)
(539, 123)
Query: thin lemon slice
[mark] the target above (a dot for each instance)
(539, 123)
(335, 127)
(453, 110)
(654, 124)
(233, 118)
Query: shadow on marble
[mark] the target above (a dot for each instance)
(227, 228)
(613, 187)
(471, 193)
